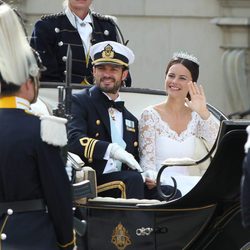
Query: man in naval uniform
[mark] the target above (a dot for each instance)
(102, 131)
(35, 192)
(80, 27)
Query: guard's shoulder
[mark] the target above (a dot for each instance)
(53, 130)
(52, 16)
(30, 112)
(111, 19)
(32, 116)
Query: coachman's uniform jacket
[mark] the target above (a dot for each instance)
(53, 33)
(35, 193)
(89, 131)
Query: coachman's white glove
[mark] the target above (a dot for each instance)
(118, 153)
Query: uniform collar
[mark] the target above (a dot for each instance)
(74, 19)
(118, 99)
(14, 102)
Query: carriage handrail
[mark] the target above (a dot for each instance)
(183, 162)
(239, 114)
(76, 86)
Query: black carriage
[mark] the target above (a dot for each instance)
(208, 217)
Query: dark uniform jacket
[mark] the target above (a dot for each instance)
(89, 131)
(32, 169)
(51, 36)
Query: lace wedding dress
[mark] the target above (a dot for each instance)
(158, 142)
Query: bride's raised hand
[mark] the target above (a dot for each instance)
(197, 100)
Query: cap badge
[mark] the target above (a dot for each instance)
(108, 52)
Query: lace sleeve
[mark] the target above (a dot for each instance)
(147, 140)
(208, 129)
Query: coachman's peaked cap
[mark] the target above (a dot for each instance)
(111, 52)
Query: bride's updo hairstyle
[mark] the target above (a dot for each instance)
(187, 60)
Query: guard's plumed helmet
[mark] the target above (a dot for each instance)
(17, 60)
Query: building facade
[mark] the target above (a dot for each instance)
(216, 31)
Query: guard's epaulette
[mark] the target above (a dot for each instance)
(247, 145)
(53, 130)
(51, 16)
(109, 18)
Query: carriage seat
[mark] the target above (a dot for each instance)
(88, 173)
(83, 173)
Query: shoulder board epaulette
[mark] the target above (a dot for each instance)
(53, 130)
(247, 145)
(109, 18)
(51, 16)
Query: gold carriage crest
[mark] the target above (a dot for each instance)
(120, 237)
(108, 52)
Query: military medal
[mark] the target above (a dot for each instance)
(112, 113)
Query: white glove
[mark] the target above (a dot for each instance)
(151, 174)
(68, 169)
(118, 153)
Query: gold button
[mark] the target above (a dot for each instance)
(98, 122)
(90, 160)
(97, 134)
(135, 143)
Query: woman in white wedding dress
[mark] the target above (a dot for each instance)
(170, 129)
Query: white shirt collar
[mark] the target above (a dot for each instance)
(118, 99)
(22, 103)
(74, 19)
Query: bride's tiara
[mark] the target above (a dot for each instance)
(185, 55)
